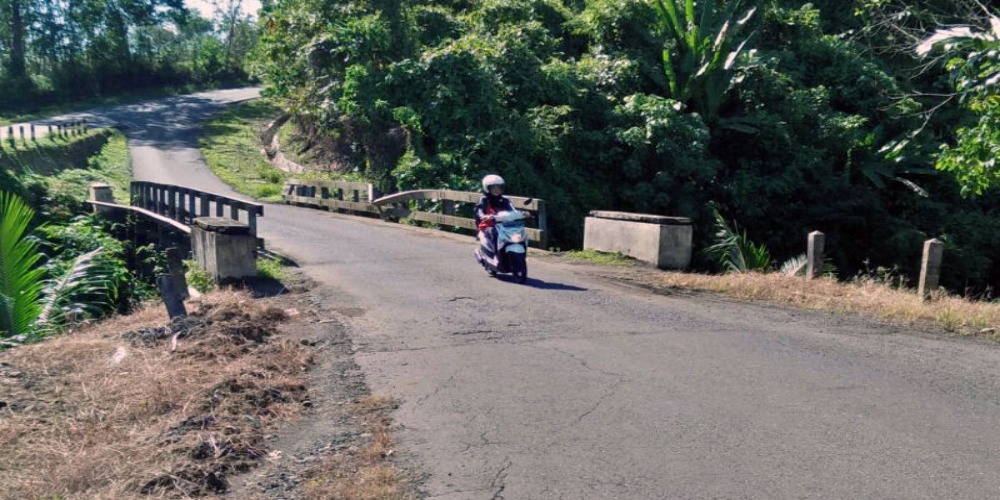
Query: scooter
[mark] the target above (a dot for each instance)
(512, 246)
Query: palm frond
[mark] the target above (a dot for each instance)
(733, 249)
(83, 286)
(20, 275)
(795, 266)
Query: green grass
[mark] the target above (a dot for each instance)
(198, 278)
(601, 258)
(112, 165)
(271, 268)
(66, 166)
(231, 148)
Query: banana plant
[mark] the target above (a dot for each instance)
(704, 44)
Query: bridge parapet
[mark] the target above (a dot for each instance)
(436, 206)
(354, 197)
(185, 204)
(444, 207)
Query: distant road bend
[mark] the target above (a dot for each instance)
(573, 387)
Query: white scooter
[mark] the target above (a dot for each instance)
(512, 246)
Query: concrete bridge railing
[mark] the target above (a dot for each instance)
(436, 206)
(333, 195)
(184, 205)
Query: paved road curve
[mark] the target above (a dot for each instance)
(576, 388)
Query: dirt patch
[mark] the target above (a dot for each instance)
(137, 406)
(244, 398)
(342, 447)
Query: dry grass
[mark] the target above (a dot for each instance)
(868, 297)
(364, 473)
(100, 414)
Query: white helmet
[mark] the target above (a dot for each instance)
(491, 180)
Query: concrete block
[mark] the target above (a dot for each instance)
(224, 248)
(660, 240)
(104, 193)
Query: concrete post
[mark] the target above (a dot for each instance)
(224, 248)
(817, 241)
(20, 129)
(10, 136)
(103, 193)
(930, 268)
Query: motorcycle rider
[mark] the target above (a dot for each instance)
(492, 202)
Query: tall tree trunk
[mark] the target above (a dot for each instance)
(16, 65)
(234, 10)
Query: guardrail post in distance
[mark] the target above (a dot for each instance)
(814, 266)
(930, 267)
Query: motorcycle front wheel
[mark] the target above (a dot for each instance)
(519, 267)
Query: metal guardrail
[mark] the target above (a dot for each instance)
(185, 204)
(417, 205)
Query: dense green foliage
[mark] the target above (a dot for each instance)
(56, 51)
(790, 117)
(76, 266)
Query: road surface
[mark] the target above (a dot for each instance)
(575, 387)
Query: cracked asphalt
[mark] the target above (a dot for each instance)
(578, 387)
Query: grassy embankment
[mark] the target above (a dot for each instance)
(68, 165)
(232, 149)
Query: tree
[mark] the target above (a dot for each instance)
(700, 59)
(16, 66)
(972, 56)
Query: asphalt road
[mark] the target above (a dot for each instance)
(575, 387)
